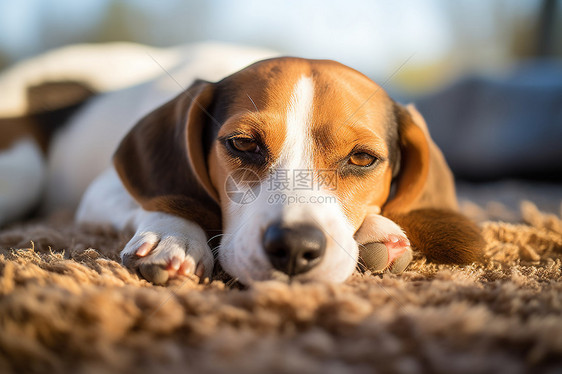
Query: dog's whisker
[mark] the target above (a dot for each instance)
(215, 251)
(360, 266)
(231, 282)
(217, 236)
(255, 106)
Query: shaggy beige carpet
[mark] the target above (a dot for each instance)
(67, 305)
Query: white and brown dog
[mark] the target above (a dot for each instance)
(300, 166)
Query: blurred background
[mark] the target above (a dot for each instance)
(439, 39)
(486, 74)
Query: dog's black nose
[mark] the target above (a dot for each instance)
(294, 250)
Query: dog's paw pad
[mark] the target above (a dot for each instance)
(374, 256)
(393, 254)
(401, 263)
(154, 273)
(383, 245)
(160, 274)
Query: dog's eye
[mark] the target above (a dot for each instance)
(362, 159)
(245, 145)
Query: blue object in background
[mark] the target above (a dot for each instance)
(501, 128)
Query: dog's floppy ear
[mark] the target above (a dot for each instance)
(162, 160)
(424, 179)
(424, 203)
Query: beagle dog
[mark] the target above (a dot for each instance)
(301, 169)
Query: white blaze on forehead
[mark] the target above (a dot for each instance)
(297, 150)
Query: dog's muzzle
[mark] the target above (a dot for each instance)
(294, 249)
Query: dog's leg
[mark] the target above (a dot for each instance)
(443, 236)
(163, 246)
(22, 171)
(383, 245)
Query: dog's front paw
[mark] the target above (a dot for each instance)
(167, 247)
(383, 245)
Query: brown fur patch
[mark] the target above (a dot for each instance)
(443, 236)
(49, 105)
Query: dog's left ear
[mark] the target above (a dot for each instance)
(162, 160)
(424, 203)
(424, 179)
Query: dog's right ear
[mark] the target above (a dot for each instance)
(425, 203)
(162, 160)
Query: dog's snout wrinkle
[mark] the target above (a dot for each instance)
(294, 250)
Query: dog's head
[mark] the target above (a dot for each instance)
(295, 153)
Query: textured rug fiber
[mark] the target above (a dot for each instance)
(67, 305)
